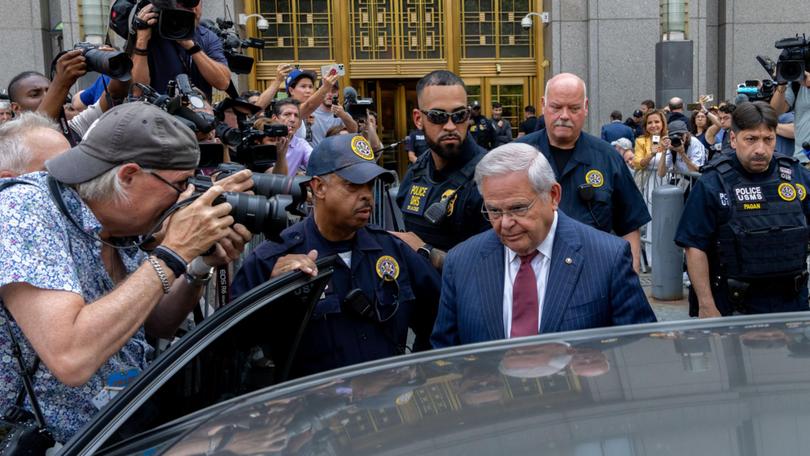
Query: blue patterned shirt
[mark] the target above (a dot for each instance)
(41, 247)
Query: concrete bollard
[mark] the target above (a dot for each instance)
(667, 258)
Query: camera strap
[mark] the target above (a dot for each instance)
(55, 188)
(223, 286)
(26, 374)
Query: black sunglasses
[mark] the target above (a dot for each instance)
(439, 117)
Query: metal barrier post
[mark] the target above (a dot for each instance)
(667, 258)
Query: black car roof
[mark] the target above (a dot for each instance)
(736, 385)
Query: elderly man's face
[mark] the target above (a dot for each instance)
(565, 108)
(150, 194)
(6, 114)
(510, 194)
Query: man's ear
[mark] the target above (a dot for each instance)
(733, 139)
(127, 173)
(417, 118)
(319, 187)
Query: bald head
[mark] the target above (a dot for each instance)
(27, 142)
(676, 104)
(565, 79)
(565, 107)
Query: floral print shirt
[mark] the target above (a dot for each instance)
(41, 247)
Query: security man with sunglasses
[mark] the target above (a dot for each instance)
(597, 188)
(380, 286)
(437, 196)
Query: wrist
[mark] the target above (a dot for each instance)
(198, 272)
(172, 259)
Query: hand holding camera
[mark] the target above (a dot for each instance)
(193, 229)
(146, 19)
(69, 68)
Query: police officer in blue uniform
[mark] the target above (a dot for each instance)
(380, 286)
(437, 196)
(416, 145)
(744, 226)
(597, 188)
(481, 129)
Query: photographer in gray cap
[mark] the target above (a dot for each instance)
(66, 241)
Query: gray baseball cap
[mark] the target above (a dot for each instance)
(130, 133)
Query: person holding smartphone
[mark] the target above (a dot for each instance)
(652, 143)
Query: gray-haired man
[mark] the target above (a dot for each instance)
(56, 261)
(537, 270)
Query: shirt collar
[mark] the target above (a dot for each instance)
(544, 248)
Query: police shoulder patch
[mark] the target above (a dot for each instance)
(362, 148)
(802, 191)
(787, 192)
(595, 178)
(387, 268)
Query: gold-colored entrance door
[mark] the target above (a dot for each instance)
(394, 101)
(512, 93)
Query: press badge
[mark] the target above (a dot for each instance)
(116, 382)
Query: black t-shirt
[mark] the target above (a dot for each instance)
(561, 157)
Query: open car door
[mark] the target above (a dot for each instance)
(245, 346)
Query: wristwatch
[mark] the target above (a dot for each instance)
(198, 273)
(194, 49)
(425, 251)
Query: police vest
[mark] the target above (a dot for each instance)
(423, 192)
(766, 234)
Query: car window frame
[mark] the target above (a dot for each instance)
(95, 433)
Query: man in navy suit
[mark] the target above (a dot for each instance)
(537, 270)
(616, 129)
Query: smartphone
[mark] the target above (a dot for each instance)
(334, 68)
(693, 106)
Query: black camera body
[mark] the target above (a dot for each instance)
(794, 59)
(173, 23)
(232, 44)
(114, 64)
(676, 139)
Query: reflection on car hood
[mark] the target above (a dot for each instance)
(734, 386)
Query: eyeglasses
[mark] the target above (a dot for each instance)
(439, 117)
(180, 187)
(492, 214)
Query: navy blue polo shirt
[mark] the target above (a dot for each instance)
(167, 59)
(332, 338)
(617, 204)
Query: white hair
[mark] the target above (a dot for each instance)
(512, 157)
(566, 75)
(106, 187)
(15, 153)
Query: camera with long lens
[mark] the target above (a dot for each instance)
(267, 211)
(114, 64)
(794, 59)
(232, 44)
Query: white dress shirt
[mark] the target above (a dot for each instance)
(541, 266)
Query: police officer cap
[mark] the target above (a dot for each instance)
(350, 157)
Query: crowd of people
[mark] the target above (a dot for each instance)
(504, 237)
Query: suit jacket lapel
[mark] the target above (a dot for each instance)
(563, 275)
(491, 291)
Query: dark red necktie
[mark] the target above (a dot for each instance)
(524, 299)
